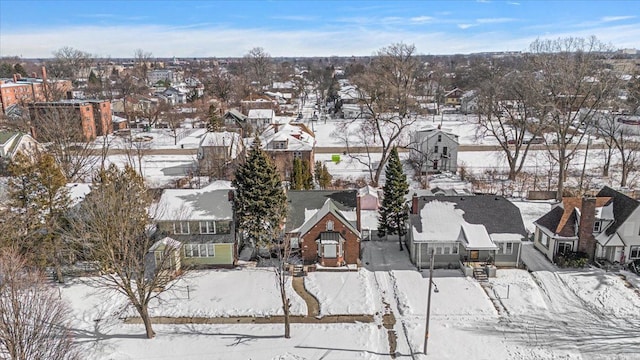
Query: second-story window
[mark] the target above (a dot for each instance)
(439, 138)
(435, 149)
(181, 227)
(207, 227)
(597, 226)
(444, 150)
(297, 154)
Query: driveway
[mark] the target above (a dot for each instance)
(385, 256)
(534, 259)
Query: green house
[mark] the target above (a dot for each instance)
(202, 220)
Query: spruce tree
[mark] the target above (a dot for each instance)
(325, 177)
(261, 203)
(297, 177)
(307, 178)
(393, 211)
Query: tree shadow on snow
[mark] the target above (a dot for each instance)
(569, 331)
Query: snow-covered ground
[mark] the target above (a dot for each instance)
(585, 314)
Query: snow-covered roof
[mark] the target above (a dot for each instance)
(441, 221)
(260, 114)
(297, 135)
(165, 242)
(476, 237)
(605, 212)
(209, 203)
(232, 140)
(506, 237)
(368, 190)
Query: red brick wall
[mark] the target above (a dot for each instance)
(351, 246)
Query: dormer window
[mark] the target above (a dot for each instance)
(597, 226)
(329, 225)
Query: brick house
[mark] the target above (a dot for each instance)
(286, 142)
(329, 239)
(323, 226)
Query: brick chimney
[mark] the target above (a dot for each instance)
(358, 215)
(414, 204)
(586, 240)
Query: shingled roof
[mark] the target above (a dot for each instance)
(623, 206)
(301, 200)
(497, 214)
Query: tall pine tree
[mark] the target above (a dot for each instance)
(261, 203)
(393, 212)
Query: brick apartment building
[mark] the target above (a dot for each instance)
(93, 116)
(21, 91)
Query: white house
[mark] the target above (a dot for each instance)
(435, 150)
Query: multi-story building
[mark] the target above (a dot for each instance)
(286, 142)
(93, 117)
(21, 91)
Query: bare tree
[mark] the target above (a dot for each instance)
(142, 61)
(174, 119)
(507, 113)
(387, 94)
(114, 227)
(281, 270)
(60, 129)
(34, 322)
(70, 63)
(260, 67)
(572, 85)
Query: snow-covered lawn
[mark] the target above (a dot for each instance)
(216, 293)
(343, 292)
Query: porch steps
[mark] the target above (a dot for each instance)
(480, 274)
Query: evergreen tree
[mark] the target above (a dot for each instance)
(93, 79)
(214, 122)
(38, 190)
(393, 212)
(19, 69)
(325, 177)
(317, 172)
(301, 175)
(261, 203)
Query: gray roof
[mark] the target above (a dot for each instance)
(299, 200)
(497, 214)
(623, 206)
(329, 207)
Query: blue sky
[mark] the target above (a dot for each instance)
(305, 28)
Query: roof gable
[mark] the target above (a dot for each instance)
(623, 207)
(301, 201)
(328, 208)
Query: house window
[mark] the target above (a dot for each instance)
(564, 247)
(444, 151)
(329, 225)
(439, 137)
(435, 149)
(223, 227)
(330, 251)
(297, 154)
(447, 250)
(181, 227)
(454, 249)
(294, 242)
(438, 250)
(635, 252)
(207, 227)
(199, 250)
(597, 226)
(435, 164)
(544, 240)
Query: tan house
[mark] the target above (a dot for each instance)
(218, 153)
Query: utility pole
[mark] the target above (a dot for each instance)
(426, 331)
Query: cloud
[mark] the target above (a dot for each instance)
(225, 41)
(421, 19)
(295, 17)
(616, 18)
(513, 3)
(495, 20)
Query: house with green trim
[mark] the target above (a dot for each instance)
(202, 221)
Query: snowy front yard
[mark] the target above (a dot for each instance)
(587, 314)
